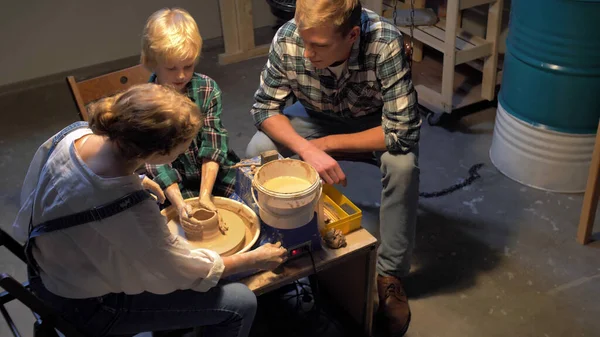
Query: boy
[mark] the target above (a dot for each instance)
(171, 45)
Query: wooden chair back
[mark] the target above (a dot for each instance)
(92, 89)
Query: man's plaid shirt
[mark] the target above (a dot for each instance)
(377, 80)
(211, 143)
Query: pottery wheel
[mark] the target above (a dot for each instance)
(226, 244)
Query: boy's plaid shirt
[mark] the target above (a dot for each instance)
(211, 143)
(377, 79)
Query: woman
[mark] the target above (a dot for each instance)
(127, 273)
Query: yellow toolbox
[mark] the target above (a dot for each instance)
(337, 212)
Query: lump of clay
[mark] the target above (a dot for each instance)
(335, 239)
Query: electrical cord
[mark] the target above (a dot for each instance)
(295, 316)
(316, 282)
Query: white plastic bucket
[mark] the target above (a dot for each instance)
(286, 210)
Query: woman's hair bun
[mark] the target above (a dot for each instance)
(146, 119)
(102, 115)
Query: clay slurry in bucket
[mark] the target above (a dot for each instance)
(287, 184)
(286, 192)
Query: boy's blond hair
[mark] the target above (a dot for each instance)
(170, 35)
(313, 13)
(145, 119)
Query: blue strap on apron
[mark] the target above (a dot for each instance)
(94, 214)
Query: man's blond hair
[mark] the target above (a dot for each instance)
(170, 35)
(313, 13)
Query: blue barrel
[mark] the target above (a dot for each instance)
(552, 64)
(549, 102)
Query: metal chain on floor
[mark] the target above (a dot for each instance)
(473, 175)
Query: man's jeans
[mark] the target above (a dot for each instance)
(225, 311)
(400, 180)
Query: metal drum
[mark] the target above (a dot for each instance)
(549, 102)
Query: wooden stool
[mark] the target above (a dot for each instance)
(590, 199)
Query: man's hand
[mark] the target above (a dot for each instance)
(321, 144)
(328, 168)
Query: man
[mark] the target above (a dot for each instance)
(348, 69)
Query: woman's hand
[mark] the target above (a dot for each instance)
(154, 188)
(269, 256)
(185, 216)
(265, 257)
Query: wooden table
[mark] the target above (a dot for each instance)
(345, 275)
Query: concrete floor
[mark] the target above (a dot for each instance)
(494, 259)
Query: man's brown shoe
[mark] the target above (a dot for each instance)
(393, 306)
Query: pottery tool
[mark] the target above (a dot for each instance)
(265, 157)
(329, 213)
(238, 165)
(268, 156)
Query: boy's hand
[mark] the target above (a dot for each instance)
(206, 202)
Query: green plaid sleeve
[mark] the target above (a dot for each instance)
(163, 175)
(274, 86)
(214, 137)
(401, 121)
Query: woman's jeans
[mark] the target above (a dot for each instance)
(225, 310)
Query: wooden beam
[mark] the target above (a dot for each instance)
(426, 37)
(245, 24)
(228, 58)
(590, 199)
(464, 4)
(473, 53)
(434, 36)
(430, 99)
(440, 33)
(77, 97)
(229, 24)
(462, 34)
(418, 46)
(372, 290)
(449, 54)
(490, 64)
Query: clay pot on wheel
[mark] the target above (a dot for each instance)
(238, 225)
(208, 228)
